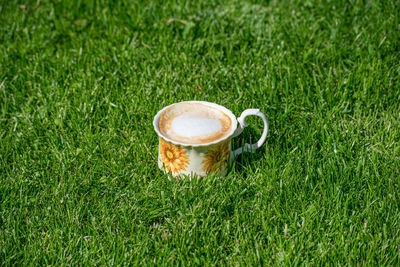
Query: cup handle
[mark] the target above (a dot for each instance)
(242, 124)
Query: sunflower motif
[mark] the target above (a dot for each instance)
(174, 157)
(215, 159)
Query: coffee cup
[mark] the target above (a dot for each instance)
(195, 137)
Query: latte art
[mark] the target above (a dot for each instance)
(194, 123)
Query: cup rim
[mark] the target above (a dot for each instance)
(219, 107)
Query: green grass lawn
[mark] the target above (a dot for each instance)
(81, 81)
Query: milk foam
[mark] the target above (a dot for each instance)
(194, 123)
(191, 126)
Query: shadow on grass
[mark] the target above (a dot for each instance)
(246, 159)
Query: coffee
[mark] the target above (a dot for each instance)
(194, 123)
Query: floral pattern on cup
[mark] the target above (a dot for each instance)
(216, 158)
(173, 157)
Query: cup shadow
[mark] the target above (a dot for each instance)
(250, 136)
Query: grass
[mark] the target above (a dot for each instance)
(81, 81)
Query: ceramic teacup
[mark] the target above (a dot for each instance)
(195, 137)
